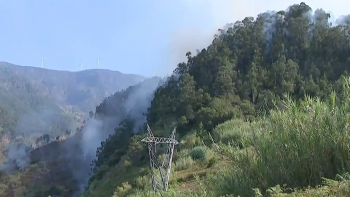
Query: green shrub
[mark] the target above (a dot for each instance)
(209, 153)
(145, 171)
(181, 154)
(190, 141)
(161, 158)
(126, 187)
(198, 152)
(232, 131)
(142, 182)
(127, 163)
(212, 161)
(183, 163)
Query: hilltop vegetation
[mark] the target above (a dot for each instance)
(239, 133)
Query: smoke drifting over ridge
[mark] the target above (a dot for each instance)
(43, 120)
(135, 101)
(76, 153)
(343, 20)
(205, 17)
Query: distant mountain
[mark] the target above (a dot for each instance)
(36, 101)
(84, 89)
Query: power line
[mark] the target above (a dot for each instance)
(160, 179)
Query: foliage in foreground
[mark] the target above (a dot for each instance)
(295, 147)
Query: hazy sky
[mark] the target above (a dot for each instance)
(131, 36)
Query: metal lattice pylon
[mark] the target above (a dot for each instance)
(160, 171)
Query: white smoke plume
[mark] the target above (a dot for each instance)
(30, 125)
(101, 126)
(343, 20)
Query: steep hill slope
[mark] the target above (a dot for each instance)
(62, 168)
(26, 112)
(36, 102)
(239, 134)
(243, 75)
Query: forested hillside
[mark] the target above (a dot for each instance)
(37, 105)
(62, 167)
(26, 114)
(20, 101)
(252, 62)
(239, 132)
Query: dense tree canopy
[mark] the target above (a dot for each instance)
(251, 63)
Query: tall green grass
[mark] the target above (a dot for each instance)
(295, 147)
(231, 132)
(184, 163)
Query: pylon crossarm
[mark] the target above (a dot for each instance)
(158, 140)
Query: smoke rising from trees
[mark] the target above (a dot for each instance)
(134, 104)
(207, 16)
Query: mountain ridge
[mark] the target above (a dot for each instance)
(70, 88)
(36, 101)
(55, 70)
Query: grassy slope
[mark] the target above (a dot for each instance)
(305, 145)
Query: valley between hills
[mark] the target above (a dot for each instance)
(262, 111)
